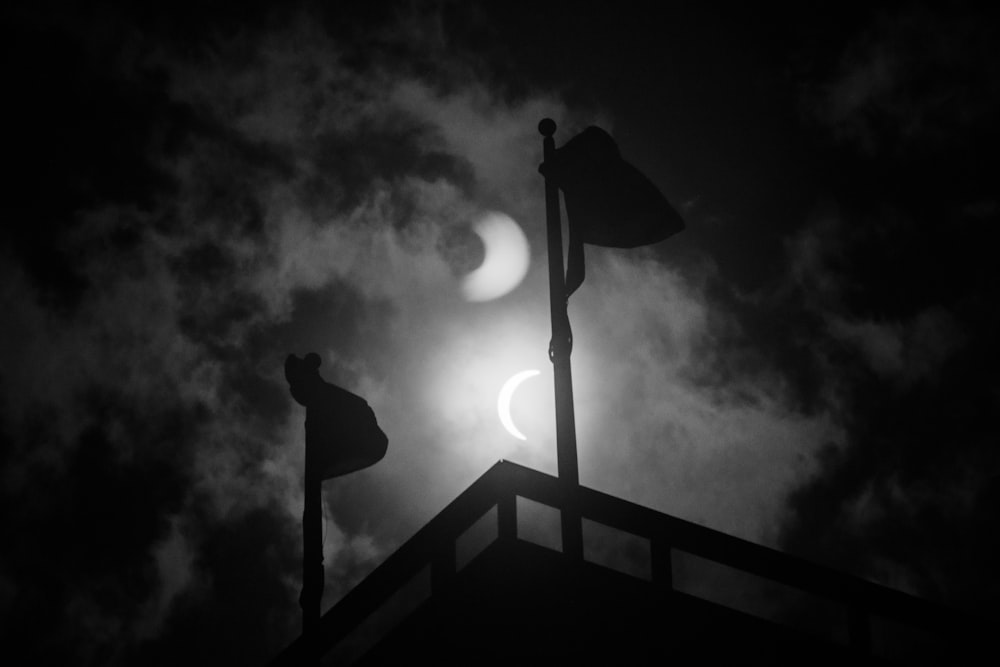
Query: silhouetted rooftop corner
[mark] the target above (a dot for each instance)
(478, 581)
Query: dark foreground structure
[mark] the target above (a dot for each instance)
(486, 582)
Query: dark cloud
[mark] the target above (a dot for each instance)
(85, 522)
(808, 365)
(915, 78)
(898, 274)
(239, 610)
(154, 405)
(80, 136)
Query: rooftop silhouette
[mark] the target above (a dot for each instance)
(475, 586)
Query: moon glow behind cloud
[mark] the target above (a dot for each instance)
(505, 261)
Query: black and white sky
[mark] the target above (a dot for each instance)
(195, 190)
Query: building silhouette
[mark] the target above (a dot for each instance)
(485, 583)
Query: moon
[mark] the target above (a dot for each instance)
(503, 402)
(505, 261)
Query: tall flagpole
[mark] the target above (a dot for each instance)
(560, 348)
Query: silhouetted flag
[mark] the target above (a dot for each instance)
(342, 434)
(608, 201)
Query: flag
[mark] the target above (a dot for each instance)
(342, 434)
(608, 201)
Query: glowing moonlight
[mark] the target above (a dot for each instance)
(505, 260)
(503, 402)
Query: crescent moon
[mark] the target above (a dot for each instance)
(505, 262)
(503, 402)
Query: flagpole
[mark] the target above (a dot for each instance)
(560, 348)
(310, 599)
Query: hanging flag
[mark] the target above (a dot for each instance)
(342, 434)
(608, 201)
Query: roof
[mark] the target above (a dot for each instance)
(471, 585)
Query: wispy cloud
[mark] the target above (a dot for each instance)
(315, 185)
(919, 74)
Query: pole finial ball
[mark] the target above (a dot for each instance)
(547, 127)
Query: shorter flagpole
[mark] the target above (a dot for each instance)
(310, 599)
(560, 349)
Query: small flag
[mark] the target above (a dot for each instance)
(608, 201)
(342, 434)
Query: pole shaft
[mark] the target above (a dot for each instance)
(312, 557)
(560, 349)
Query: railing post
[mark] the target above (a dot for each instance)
(507, 518)
(571, 521)
(661, 565)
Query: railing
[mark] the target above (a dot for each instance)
(434, 545)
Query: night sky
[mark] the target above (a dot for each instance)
(193, 192)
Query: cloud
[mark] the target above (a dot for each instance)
(313, 197)
(904, 351)
(906, 357)
(175, 559)
(274, 194)
(657, 427)
(918, 74)
(423, 344)
(908, 342)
